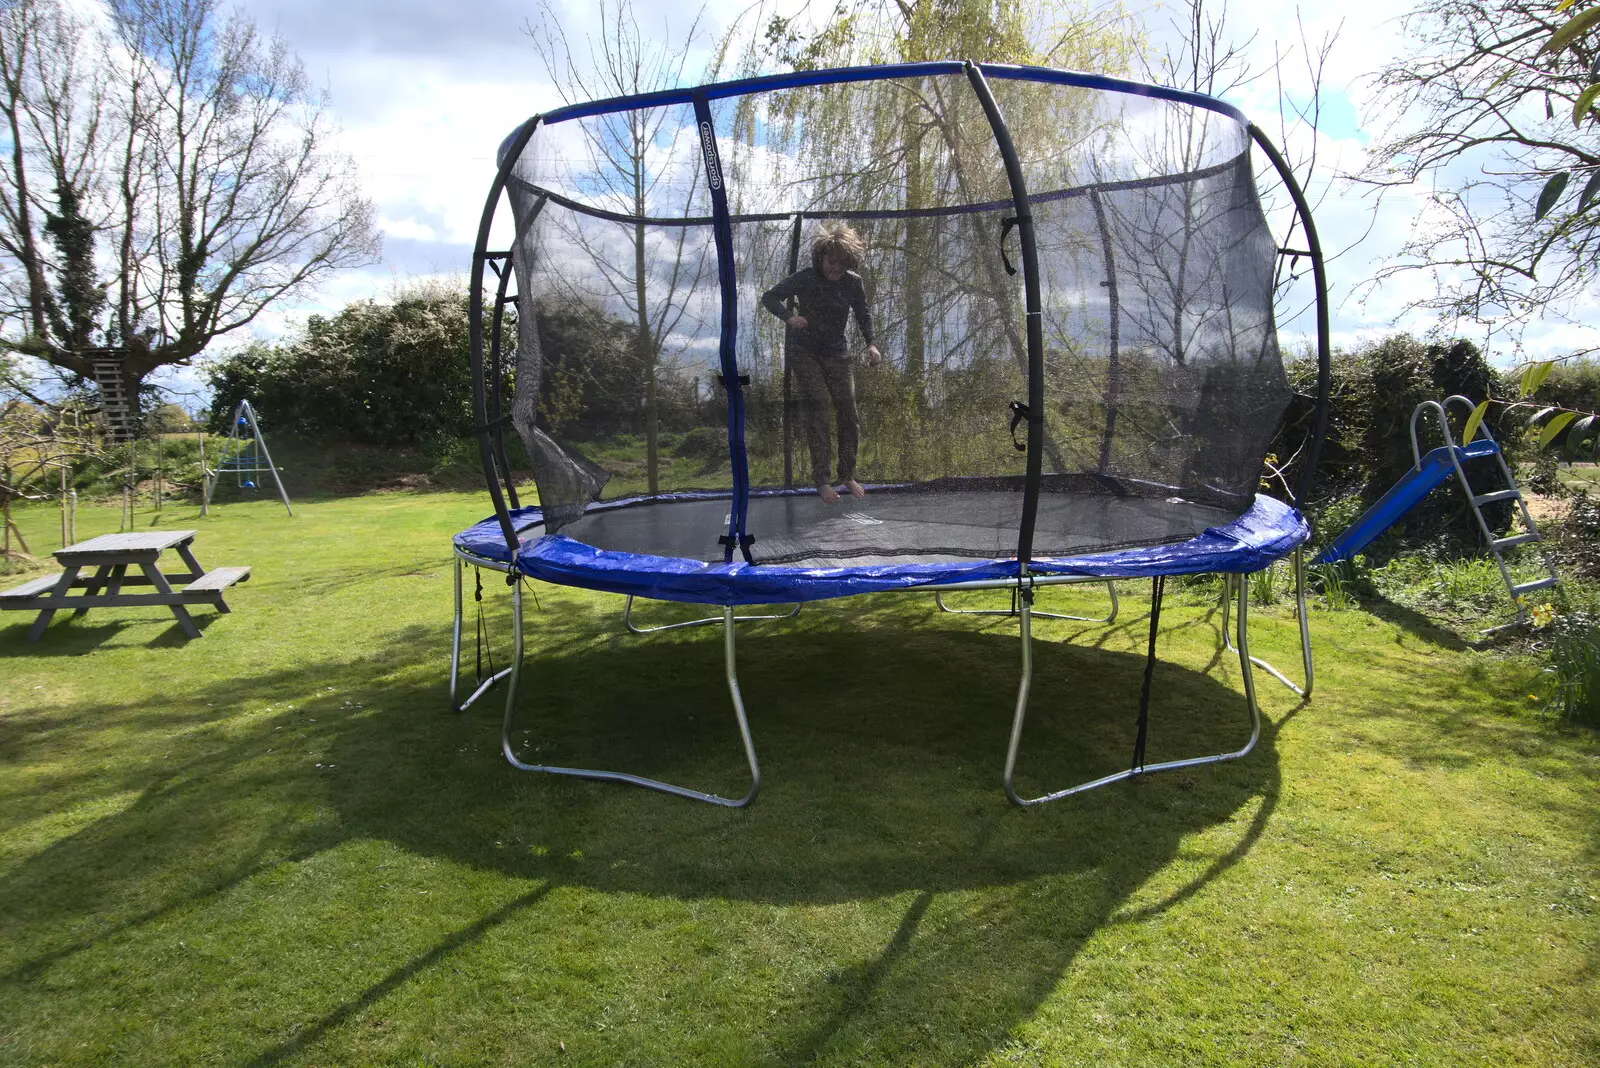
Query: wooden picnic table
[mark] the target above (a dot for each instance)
(111, 555)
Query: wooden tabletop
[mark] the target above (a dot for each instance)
(132, 542)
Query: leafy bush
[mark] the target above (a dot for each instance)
(383, 374)
(1333, 515)
(168, 419)
(703, 443)
(1335, 581)
(593, 381)
(1572, 384)
(1264, 585)
(1576, 537)
(1574, 671)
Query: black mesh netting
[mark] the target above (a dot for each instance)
(1161, 373)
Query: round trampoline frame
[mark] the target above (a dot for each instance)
(490, 416)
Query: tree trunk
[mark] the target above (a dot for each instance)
(917, 241)
(647, 361)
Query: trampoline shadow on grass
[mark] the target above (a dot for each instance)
(884, 900)
(882, 800)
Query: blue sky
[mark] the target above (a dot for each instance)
(424, 90)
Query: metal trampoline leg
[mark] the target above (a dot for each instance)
(728, 620)
(1143, 769)
(1248, 675)
(1110, 617)
(1229, 581)
(627, 619)
(455, 653)
(455, 640)
(1023, 617)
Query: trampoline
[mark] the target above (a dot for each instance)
(1082, 385)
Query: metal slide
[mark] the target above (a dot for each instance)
(1429, 471)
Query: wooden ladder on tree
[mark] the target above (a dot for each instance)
(114, 400)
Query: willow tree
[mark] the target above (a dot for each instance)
(925, 138)
(911, 146)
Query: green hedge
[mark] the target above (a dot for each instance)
(383, 374)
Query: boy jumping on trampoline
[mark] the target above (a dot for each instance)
(826, 293)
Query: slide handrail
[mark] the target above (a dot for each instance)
(1442, 413)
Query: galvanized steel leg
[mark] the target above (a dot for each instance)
(1111, 588)
(1305, 627)
(1025, 621)
(455, 656)
(728, 620)
(627, 619)
(1144, 769)
(455, 640)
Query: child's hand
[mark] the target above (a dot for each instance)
(797, 322)
(874, 357)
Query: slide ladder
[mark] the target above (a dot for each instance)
(1429, 471)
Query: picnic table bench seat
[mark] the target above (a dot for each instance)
(216, 580)
(31, 588)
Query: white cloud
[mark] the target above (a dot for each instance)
(425, 102)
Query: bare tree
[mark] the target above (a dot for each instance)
(177, 143)
(40, 444)
(617, 169)
(1486, 116)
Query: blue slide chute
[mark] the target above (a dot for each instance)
(1402, 497)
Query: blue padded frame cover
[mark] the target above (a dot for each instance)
(1269, 531)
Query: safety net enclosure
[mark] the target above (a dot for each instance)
(1070, 278)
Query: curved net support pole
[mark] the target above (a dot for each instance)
(1015, 609)
(627, 619)
(1229, 581)
(1319, 275)
(506, 747)
(497, 371)
(1137, 770)
(481, 256)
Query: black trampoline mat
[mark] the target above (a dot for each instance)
(916, 526)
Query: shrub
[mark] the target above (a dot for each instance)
(1574, 670)
(1576, 537)
(382, 374)
(1335, 581)
(168, 419)
(703, 443)
(1572, 384)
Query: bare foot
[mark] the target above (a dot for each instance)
(855, 488)
(828, 494)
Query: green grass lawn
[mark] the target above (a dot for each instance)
(275, 844)
(1580, 476)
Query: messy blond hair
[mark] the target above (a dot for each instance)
(839, 241)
